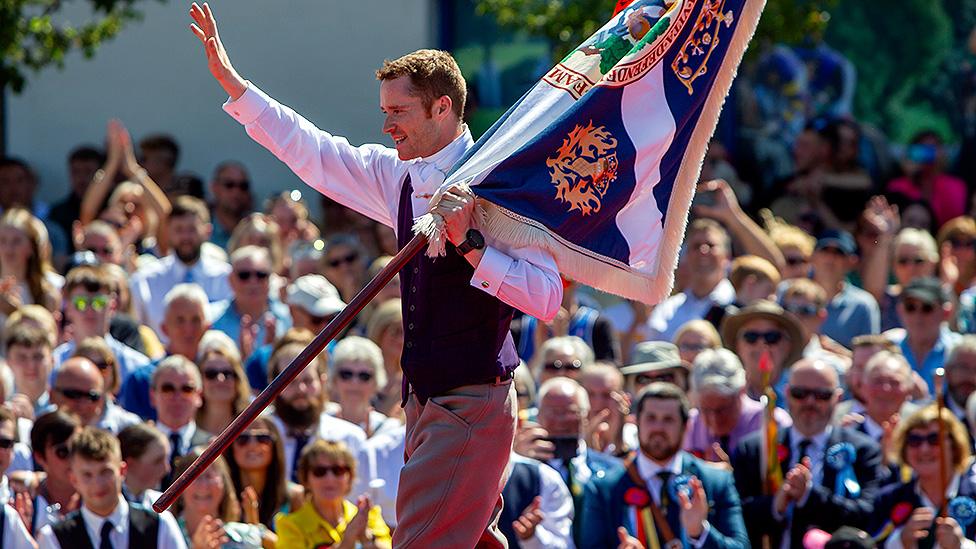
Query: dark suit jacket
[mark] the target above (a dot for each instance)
(605, 509)
(823, 509)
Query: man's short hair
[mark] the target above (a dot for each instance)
(704, 224)
(433, 74)
(966, 344)
(12, 162)
(93, 278)
(875, 340)
(26, 335)
(718, 370)
(253, 252)
(94, 444)
(566, 384)
(187, 291)
(135, 439)
(755, 266)
(807, 289)
(188, 205)
(86, 153)
(35, 315)
(176, 363)
(663, 391)
(162, 142)
(51, 429)
(882, 358)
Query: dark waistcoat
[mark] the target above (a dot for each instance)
(454, 334)
(143, 529)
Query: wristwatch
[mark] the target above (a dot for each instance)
(473, 241)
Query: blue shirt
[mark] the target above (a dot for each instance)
(226, 318)
(936, 357)
(128, 358)
(852, 312)
(134, 393)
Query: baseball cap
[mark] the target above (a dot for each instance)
(315, 295)
(847, 537)
(651, 356)
(926, 289)
(842, 240)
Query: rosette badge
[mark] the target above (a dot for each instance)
(840, 457)
(679, 484)
(963, 509)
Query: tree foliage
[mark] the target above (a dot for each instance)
(35, 34)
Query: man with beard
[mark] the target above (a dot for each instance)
(299, 411)
(664, 494)
(232, 200)
(830, 473)
(188, 228)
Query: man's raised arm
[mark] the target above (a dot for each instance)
(205, 27)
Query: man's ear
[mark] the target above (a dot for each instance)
(442, 107)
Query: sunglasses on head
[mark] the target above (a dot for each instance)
(558, 365)
(261, 438)
(801, 309)
(61, 450)
(246, 275)
(215, 374)
(78, 394)
(801, 393)
(336, 470)
(912, 307)
(903, 261)
(770, 338)
(243, 185)
(349, 258)
(915, 440)
(169, 388)
(347, 375)
(6, 443)
(97, 303)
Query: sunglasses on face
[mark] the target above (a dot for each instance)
(320, 471)
(263, 439)
(6, 443)
(962, 243)
(78, 394)
(801, 393)
(244, 276)
(558, 365)
(770, 338)
(904, 261)
(645, 379)
(347, 375)
(169, 388)
(915, 440)
(61, 450)
(796, 260)
(213, 375)
(100, 251)
(349, 258)
(97, 303)
(911, 307)
(801, 309)
(243, 185)
(102, 365)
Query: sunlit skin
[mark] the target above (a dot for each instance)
(560, 413)
(830, 266)
(347, 276)
(707, 259)
(811, 323)
(146, 471)
(186, 235)
(690, 344)
(108, 249)
(799, 267)
(961, 376)
(89, 322)
(231, 200)
(416, 132)
(220, 391)
(202, 497)
(175, 409)
(31, 367)
(98, 482)
(564, 354)
(328, 488)
(719, 412)
(305, 389)
(750, 353)
(910, 262)
(924, 460)
(660, 429)
(255, 455)
(860, 356)
(79, 374)
(811, 416)
(184, 323)
(251, 295)
(355, 393)
(7, 431)
(886, 387)
(15, 250)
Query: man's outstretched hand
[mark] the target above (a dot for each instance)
(205, 27)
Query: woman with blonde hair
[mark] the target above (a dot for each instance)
(695, 336)
(328, 518)
(226, 392)
(385, 329)
(26, 274)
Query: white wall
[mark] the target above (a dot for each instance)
(317, 56)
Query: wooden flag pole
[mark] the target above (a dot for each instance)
(267, 396)
(940, 404)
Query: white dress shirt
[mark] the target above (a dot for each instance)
(169, 536)
(894, 540)
(678, 309)
(556, 504)
(150, 285)
(369, 179)
(329, 428)
(378, 474)
(185, 432)
(648, 471)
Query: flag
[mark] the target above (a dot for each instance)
(598, 161)
(769, 458)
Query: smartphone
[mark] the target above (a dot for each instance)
(704, 198)
(567, 447)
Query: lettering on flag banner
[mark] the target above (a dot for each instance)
(597, 163)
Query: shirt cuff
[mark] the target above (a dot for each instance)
(249, 106)
(700, 540)
(491, 270)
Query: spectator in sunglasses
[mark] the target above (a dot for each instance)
(764, 327)
(917, 444)
(257, 466)
(232, 200)
(924, 309)
(957, 243)
(251, 317)
(13, 532)
(176, 395)
(225, 390)
(562, 356)
(89, 308)
(794, 243)
(753, 278)
(357, 375)
(55, 495)
(851, 311)
(812, 455)
(101, 239)
(655, 361)
(344, 264)
(694, 337)
(807, 301)
(328, 518)
(79, 388)
(261, 230)
(913, 254)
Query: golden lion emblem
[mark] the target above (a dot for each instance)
(584, 167)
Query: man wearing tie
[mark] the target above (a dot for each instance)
(665, 496)
(830, 473)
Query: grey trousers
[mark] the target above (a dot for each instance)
(456, 456)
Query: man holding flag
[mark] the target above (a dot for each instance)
(592, 170)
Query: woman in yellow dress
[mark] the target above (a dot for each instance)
(328, 519)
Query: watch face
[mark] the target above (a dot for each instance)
(476, 239)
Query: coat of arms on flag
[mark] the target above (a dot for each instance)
(598, 161)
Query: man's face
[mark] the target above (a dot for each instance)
(706, 253)
(16, 188)
(920, 319)
(186, 235)
(660, 429)
(855, 374)
(720, 412)
(412, 128)
(601, 389)
(251, 280)
(961, 376)
(302, 319)
(106, 249)
(561, 415)
(301, 403)
(159, 163)
(81, 392)
(176, 397)
(232, 191)
(8, 435)
(797, 263)
(31, 366)
(560, 361)
(99, 483)
(184, 324)
(885, 390)
(910, 263)
(831, 264)
(89, 312)
(81, 172)
(819, 393)
(54, 460)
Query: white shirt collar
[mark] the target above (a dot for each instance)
(818, 442)
(119, 518)
(649, 469)
(428, 173)
(951, 491)
(185, 432)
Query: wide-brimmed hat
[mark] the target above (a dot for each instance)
(652, 356)
(768, 310)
